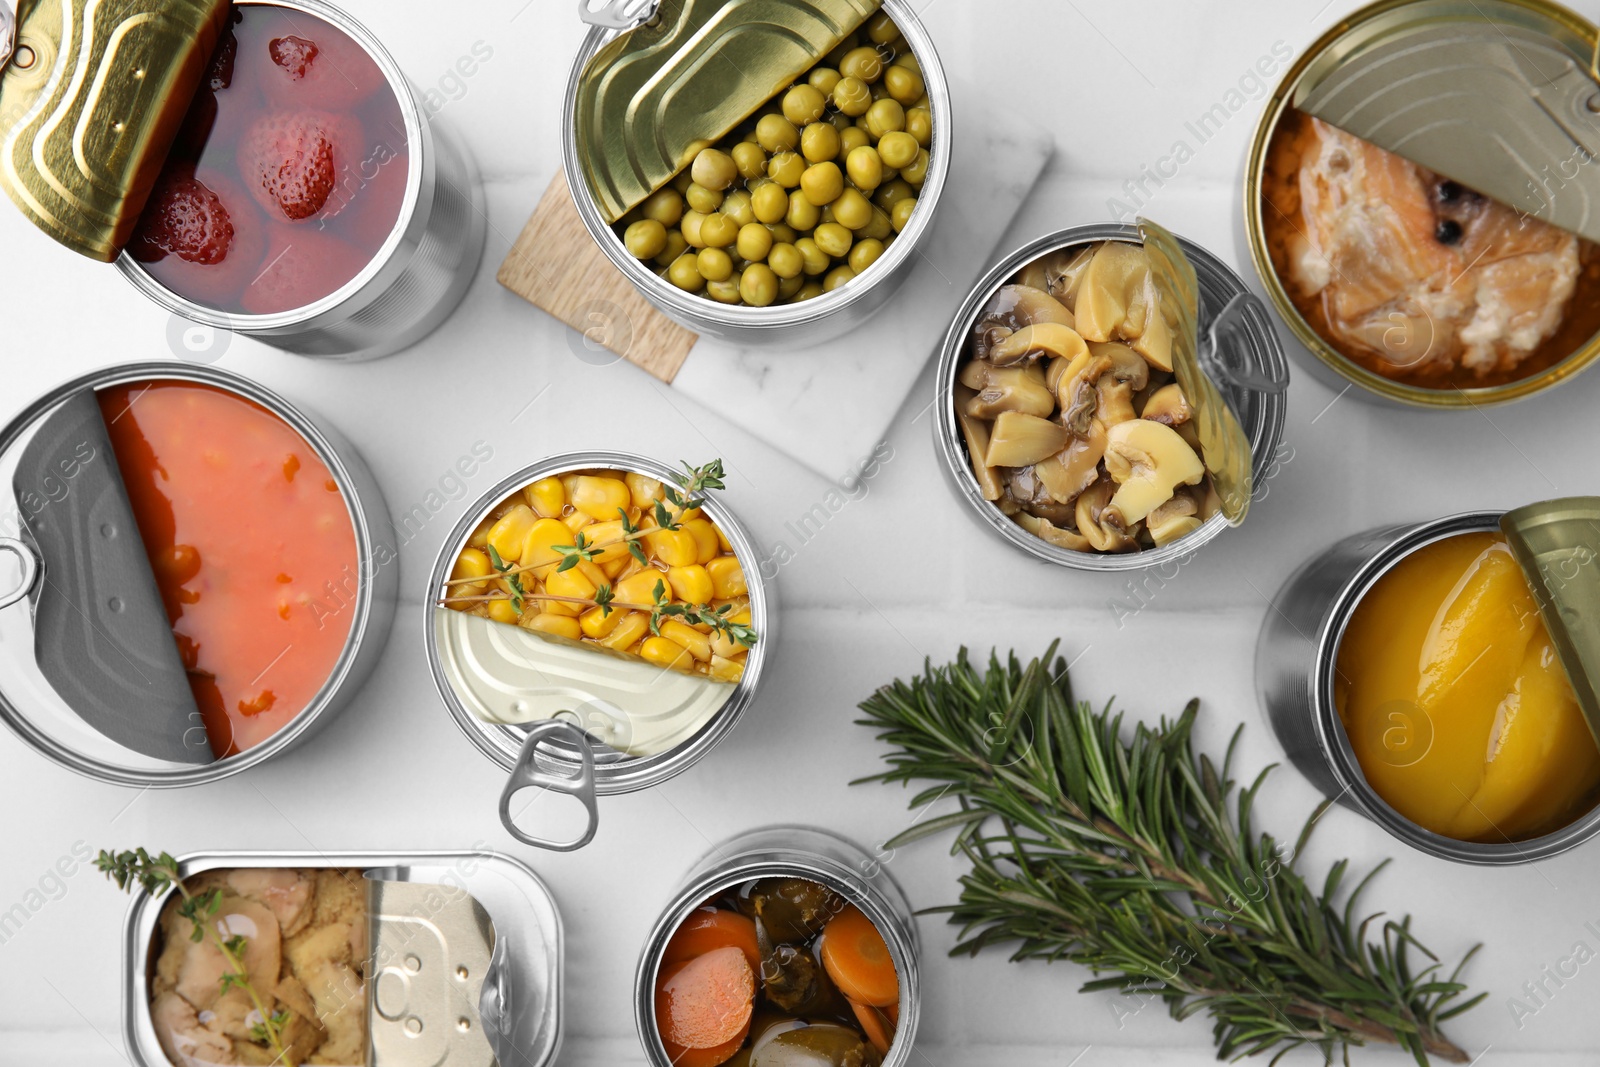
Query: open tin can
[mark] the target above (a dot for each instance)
(791, 852)
(791, 325)
(1462, 83)
(1240, 353)
(463, 962)
(1298, 675)
(95, 680)
(574, 718)
(378, 259)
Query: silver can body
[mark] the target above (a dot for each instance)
(503, 743)
(792, 852)
(790, 325)
(519, 903)
(373, 603)
(1296, 661)
(1261, 414)
(418, 275)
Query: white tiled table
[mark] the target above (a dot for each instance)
(897, 574)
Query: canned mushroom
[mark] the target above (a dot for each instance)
(804, 218)
(596, 629)
(1411, 285)
(1088, 454)
(200, 587)
(1409, 674)
(787, 946)
(357, 957)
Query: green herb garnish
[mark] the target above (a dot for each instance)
(1125, 856)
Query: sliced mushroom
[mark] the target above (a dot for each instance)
(1064, 272)
(1155, 341)
(1148, 461)
(1013, 308)
(1073, 382)
(1101, 529)
(1177, 518)
(1000, 389)
(1113, 401)
(1046, 530)
(976, 433)
(1018, 440)
(1126, 364)
(1114, 278)
(1073, 469)
(1167, 406)
(1040, 339)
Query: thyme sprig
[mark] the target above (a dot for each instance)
(155, 874)
(692, 486)
(1123, 854)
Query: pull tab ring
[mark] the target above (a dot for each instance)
(30, 569)
(617, 14)
(1227, 322)
(526, 774)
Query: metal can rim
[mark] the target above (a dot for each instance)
(1454, 399)
(409, 223)
(1335, 743)
(899, 935)
(780, 316)
(297, 728)
(627, 775)
(1265, 435)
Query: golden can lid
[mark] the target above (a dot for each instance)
(91, 97)
(1502, 96)
(1224, 447)
(1557, 544)
(656, 95)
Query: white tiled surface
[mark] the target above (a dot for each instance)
(896, 574)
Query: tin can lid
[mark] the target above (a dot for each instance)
(1557, 544)
(1200, 364)
(1499, 95)
(91, 96)
(654, 96)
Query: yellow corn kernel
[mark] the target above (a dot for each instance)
(547, 497)
(592, 571)
(722, 539)
(664, 653)
(601, 533)
(577, 520)
(640, 588)
(645, 491)
(726, 670)
(632, 626)
(506, 536)
(569, 482)
(727, 577)
(538, 546)
(692, 585)
(573, 583)
(602, 499)
(559, 625)
(502, 610)
(480, 533)
(631, 567)
(726, 647)
(615, 568)
(697, 643)
(675, 548)
(470, 564)
(598, 624)
(705, 539)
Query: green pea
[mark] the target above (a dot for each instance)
(903, 85)
(690, 227)
(917, 172)
(852, 210)
(788, 287)
(718, 231)
(881, 228)
(804, 104)
(786, 168)
(754, 242)
(685, 274)
(738, 207)
(865, 168)
(786, 261)
(881, 29)
(645, 239)
(863, 63)
(822, 183)
(834, 239)
(725, 291)
(809, 291)
(702, 199)
(823, 79)
(819, 142)
(777, 134)
(751, 159)
(864, 255)
(714, 169)
(852, 97)
(919, 124)
(836, 277)
(676, 246)
(886, 117)
(782, 233)
(898, 150)
(664, 205)
(900, 216)
(770, 203)
(803, 214)
(852, 138)
(815, 260)
(758, 286)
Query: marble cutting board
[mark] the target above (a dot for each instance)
(828, 407)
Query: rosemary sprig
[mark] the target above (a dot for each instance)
(1125, 855)
(155, 874)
